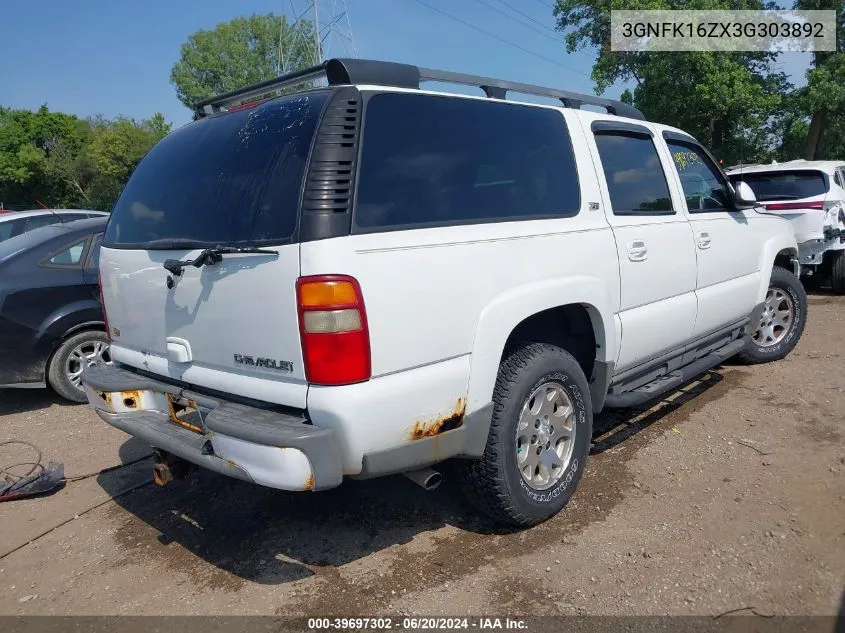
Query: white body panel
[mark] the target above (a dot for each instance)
(441, 304)
(727, 247)
(242, 305)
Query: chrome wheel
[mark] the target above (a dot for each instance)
(545, 436)
(84, 355)
(776, 320)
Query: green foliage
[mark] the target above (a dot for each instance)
(241, 52)
(61, 161)
(726, 100)
(822, 100)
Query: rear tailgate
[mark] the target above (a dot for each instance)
(220, 327)
(797, 194)
(228, 180)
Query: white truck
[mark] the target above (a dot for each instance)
(370, 278)
(811, 195)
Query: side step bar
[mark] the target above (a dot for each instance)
(672, 380)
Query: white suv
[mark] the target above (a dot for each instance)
(811, 195)
(369, 278)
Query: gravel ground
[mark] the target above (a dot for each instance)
(729, 494)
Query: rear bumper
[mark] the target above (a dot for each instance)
(270, 448)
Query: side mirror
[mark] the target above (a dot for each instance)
(744, 197)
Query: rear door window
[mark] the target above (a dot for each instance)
(434, 161)
(230, 179)
(635, 178)
(70, 255)
(784, 185)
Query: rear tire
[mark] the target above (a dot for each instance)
(539, 387)
(782, 321)
(837, 273)
(78, 351)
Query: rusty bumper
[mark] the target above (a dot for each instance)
(280, 450)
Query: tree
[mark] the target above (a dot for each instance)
(59, 160)
(241, 52)
(823, 98)
(27, 141)
(724, 99)
(116, 148)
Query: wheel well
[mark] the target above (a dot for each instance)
(784, 259)
(569, 327)
(90, 325)
(83, 327)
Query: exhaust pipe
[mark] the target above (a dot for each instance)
(425, 477)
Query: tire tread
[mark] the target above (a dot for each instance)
(482, 481)
(747, 357)
(55, 366)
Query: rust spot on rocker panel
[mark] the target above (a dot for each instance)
(430, 428)
(309, 483)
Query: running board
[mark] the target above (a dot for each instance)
(673, 379)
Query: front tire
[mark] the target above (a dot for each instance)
(75, 353)
(781, 323)
(539, 438)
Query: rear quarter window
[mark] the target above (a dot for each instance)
(434, 161)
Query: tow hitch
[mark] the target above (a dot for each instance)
(169, 467)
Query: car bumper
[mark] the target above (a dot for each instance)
(279, 450)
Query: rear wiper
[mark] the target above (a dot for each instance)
(211, 256)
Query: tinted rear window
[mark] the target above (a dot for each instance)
(784, 185)
(231, 179)
(429, 161)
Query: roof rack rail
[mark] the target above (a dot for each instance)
(363, 71)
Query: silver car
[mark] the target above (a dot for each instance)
(16, 222)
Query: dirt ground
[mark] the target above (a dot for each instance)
(729, 494)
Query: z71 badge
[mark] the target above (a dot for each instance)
(267, 363)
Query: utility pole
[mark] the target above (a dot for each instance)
(317, 54)
(332, 29)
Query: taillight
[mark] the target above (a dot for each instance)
(333, 327)
(103, 304)
(786, 206)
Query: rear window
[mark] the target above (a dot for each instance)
(434, 161)
(232, 179)
(784, 185)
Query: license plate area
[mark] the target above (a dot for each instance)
(185, 413)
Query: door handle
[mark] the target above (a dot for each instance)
(704, 240)
(637, 251)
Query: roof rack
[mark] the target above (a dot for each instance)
(364, 71)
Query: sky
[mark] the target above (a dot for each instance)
(113, 57)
